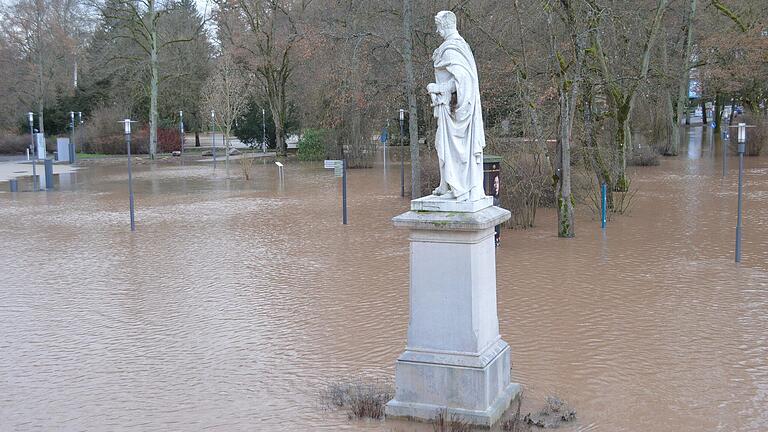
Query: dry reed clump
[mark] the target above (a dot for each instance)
(361, 399)
(555, 412)
(454, 423)
(246, 165)
(643, 156)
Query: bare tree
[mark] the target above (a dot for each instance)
(140, 22)
(266, 33)
(226, 92)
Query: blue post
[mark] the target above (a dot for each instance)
(603, 204)
(49, 174)
(14, 184)
(344, 191)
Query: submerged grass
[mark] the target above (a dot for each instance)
(360, 398)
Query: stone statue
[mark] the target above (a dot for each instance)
(455, 97)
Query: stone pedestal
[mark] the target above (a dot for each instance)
(455, 359)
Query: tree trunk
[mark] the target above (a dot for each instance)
(718, 112)
(413, 117)
(153, 82)
(685, 76)
(704, 113)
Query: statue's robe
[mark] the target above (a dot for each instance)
(460, 135)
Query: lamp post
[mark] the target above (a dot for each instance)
(402, 155)
(213, 136)
(181, 132)
(72, 137)
(31, 118)
(742, 145)
(263, 131)
(127, 130)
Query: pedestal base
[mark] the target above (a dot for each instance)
(455, 361)
(428, 383)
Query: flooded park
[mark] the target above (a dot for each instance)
(236, 302)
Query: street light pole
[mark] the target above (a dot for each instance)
(213, 136)
(263, 131)
(402, 155)
(127, 129)
(72, 137)
(742, 145)
(181, 132)
(34, 154)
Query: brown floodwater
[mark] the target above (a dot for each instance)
(235, 303)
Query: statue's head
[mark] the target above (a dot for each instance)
(446, 23)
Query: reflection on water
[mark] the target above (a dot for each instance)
(234, 302)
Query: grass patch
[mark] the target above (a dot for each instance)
(361, 399)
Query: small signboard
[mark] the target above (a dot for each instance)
(331, 163)
(338, 171)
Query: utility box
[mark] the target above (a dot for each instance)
(40, 145)
(62, 150)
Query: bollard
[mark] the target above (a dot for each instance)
(603, 204)
(49, 174)
(14, 184)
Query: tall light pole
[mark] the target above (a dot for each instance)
(181, 131)
(402, 154)
(742, 145)
(72, 137)
(213, 136)
(263, 131)
(31, 118)
(127, 130)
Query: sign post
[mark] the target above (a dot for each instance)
(340, 170)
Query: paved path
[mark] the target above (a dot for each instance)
(10, 170)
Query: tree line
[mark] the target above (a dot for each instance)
(564, 82)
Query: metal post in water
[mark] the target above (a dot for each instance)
(742, 145)
(181, 133)
(127, 123)
(402, 155)
(14, 185)
(71, 146)
(726, 139)
(213, 136)
(48, 174)
(263, 131)
(603, 204)
(344, 191)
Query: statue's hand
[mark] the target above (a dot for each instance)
(433, 88)
(479, 158)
